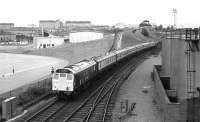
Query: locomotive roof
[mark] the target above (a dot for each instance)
(80, 66)
(127, 48)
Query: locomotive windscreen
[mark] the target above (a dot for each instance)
(62, 75)
(55, 76)
(69, 77)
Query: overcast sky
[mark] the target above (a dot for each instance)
(24, 12)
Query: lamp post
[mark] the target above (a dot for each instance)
(175, 19)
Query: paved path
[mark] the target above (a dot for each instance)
(139, 89)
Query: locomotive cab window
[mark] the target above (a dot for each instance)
(56, 76)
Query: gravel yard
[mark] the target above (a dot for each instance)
(138, 89)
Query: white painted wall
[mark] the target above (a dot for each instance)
(84, 36)
(41, 42)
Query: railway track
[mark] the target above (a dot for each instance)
(94, 107)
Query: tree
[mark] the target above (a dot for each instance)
(160, 27)
(145, 32)
(145, 23)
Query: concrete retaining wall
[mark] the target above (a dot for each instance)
(172, 112)
(166, 50)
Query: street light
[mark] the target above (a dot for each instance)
(175, 19)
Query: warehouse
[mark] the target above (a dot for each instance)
(84, 36)
(46, 42)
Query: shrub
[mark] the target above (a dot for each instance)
(30, 94)
(133, 31)
(145, 32)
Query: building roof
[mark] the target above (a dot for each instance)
(77, 21)
(47, 21)
(24, 29)
(53, 21)
(6, 23)
(52, 37)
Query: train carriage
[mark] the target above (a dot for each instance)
(108, 60)
(125, 52)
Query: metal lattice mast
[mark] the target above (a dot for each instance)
(192, 39)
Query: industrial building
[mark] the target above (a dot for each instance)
(77, 37)
(77, 23)
(50, 24)
(6, 25)
(46, 42)
(7, 36)
(28, 31)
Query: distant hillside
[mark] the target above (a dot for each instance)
(135, 37)
(74, 52)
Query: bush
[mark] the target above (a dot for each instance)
(0, 109)
(133, 31)
(30, 94)
(145, 32)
